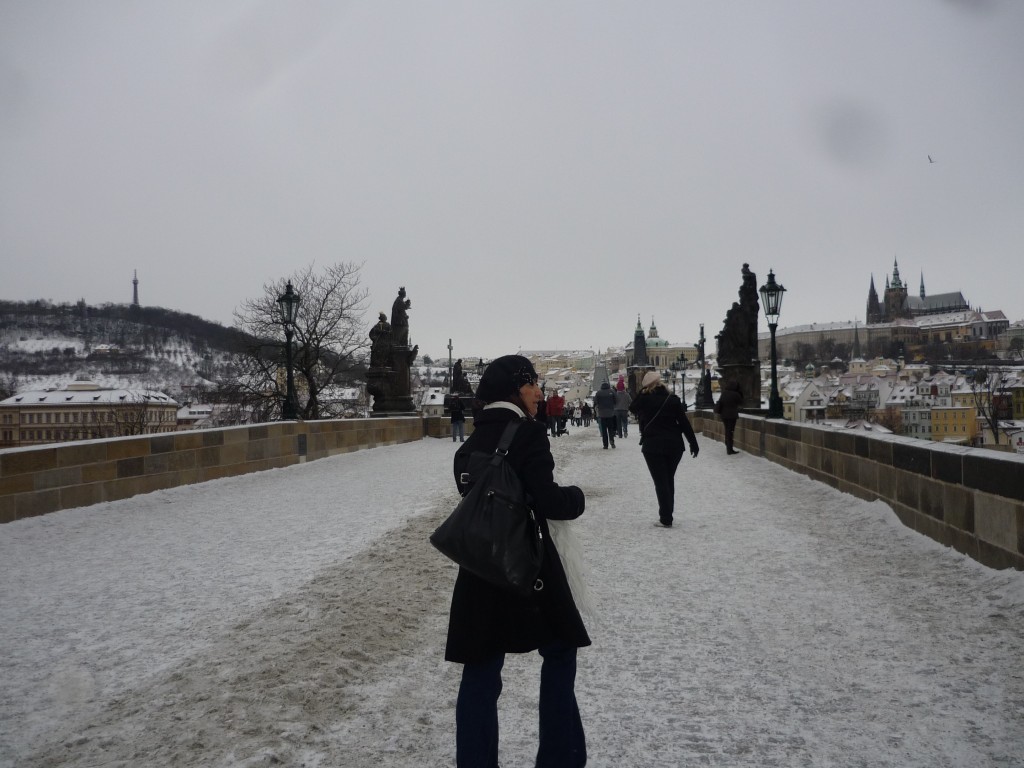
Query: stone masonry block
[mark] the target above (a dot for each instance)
(958, 507)
(188, 441)
(886, 482)
(997, 521)
(948, 467)
(16, 484)
(1001, 474)
(80, 496)
(127, 448)
(161, 443)
(8, 512)
(908, 488)
(157, 464)
(56, 478)
(76, 454)
(131, 467)
(880, 451)
(18, 462)
(38, 503)
(99, 472)
(215, 437)
(932, 528)
(931, 500)
(911, 458)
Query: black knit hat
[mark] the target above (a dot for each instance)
(503, 378)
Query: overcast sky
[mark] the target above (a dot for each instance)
(536, 174)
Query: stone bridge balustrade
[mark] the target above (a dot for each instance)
(971, 499)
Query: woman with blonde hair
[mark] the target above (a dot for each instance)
(663, 424)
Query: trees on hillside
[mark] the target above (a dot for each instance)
(1017, 347)
(328, 345)
(990, 398)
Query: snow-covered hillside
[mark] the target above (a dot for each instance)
(48, 351)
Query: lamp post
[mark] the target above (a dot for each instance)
(288, 303)
(771, 298)
(703, 399)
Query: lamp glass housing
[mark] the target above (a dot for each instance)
(771, 298)
(288, 302)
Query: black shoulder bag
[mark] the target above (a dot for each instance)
(492, 532)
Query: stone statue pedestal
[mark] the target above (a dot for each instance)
(390, 387)
(635, 377)
(748, 376)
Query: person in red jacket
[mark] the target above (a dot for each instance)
(555, 412)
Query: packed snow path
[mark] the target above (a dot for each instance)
(297, 617)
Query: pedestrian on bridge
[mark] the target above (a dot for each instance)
(487, 622)
(663, 424)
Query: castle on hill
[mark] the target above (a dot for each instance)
(897, 303)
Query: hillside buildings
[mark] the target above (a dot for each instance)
(82, 410)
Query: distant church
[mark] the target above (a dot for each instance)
(897, 304)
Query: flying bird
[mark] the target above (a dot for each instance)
(930, 159)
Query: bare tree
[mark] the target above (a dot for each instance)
(890, 418)
(329, 339)
(990, 397)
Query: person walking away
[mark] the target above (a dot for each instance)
(555, 411)
(604, 405)
(586, 413)
(622, 401)
(663, 424)
(458, 413)
(728, 407)
(486, 621)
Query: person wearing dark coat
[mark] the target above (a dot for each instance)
(604, 406)
(486, 622)
(458, 414)
(728, 407)
(663, 423)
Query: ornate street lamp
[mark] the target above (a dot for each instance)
(771, 299)
(288, 303)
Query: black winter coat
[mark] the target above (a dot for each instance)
(486, 620)
(729, 402)
(663, 423)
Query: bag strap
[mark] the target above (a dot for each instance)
(656, 415)
(506, 440)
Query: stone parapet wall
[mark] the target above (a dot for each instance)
(971, 499)
(441, 426)
(42, 479)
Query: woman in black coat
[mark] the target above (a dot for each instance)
(486, 622)
(663, 423)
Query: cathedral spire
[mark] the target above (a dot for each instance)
(922, 294)
(896, 282)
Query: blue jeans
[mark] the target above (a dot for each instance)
(562, 741)
(459, 429)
